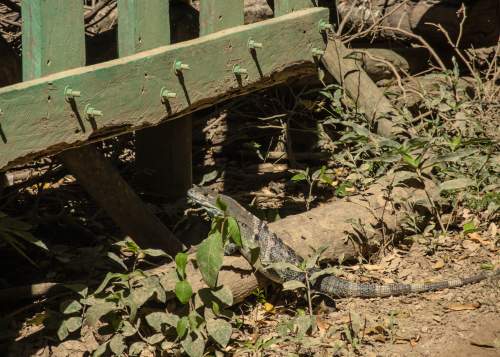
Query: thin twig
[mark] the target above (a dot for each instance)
(11, 5)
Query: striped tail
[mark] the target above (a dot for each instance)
(338, 287)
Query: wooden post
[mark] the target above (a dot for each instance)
(164, 152)
(216, 15)
(54, 40)
(283, 7)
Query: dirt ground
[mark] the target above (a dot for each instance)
(456, 322)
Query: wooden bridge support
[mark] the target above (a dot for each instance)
(53, 43)
(163, 152)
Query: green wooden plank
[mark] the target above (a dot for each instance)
(216, 15)
(142, 25)
(53, 36)
(37, 120)
(283, 7)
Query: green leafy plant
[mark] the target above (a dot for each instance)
(312, 180)
(120, 305)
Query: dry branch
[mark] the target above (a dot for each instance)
(341, 64)
(480, 29)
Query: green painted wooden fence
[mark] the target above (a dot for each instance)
(150, 83)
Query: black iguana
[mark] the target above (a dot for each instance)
(256, 234)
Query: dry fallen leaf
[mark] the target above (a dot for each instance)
(492, 230)
(439, 264)
(462, 307)
(476, 237)
(343, 320)
(372, 267)
(470, 245)
(323, 325)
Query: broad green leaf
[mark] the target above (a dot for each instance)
(74, 323)
(155, 253)
(100, 350)
(220, 330)
(327, 271)
(62, 331)
(195, 320)
(70, 306)
(414, 162)
(284, 266)
(181, 260)
(117, 260)
(221, 204)
(456, 184)
(299, 177)
(117, 344)
(193, 347)
(469, 227)
(313, 259)
(182, 326)
(215, 307)
(107, 279)
(303, 323)
(209, 257)
(95, 312)
(183, 291)
(141, 295)
(293, 285)
(128, 329)
(224, 294)
(157, 319)
(234, 231)
(136, 348)
(156, 338)
(132, 246)
(453, 156)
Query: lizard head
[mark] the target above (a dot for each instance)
(205, 198)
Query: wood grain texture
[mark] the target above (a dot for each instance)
(52, 42)
(216, 15)
(142, 25)
(38, 121)
(283, 7)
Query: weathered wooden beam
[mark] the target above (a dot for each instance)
(38, 121)
(346, 70)
(52, 43)
(283, 7)
(119, 200)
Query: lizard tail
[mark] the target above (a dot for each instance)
(343, 288)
